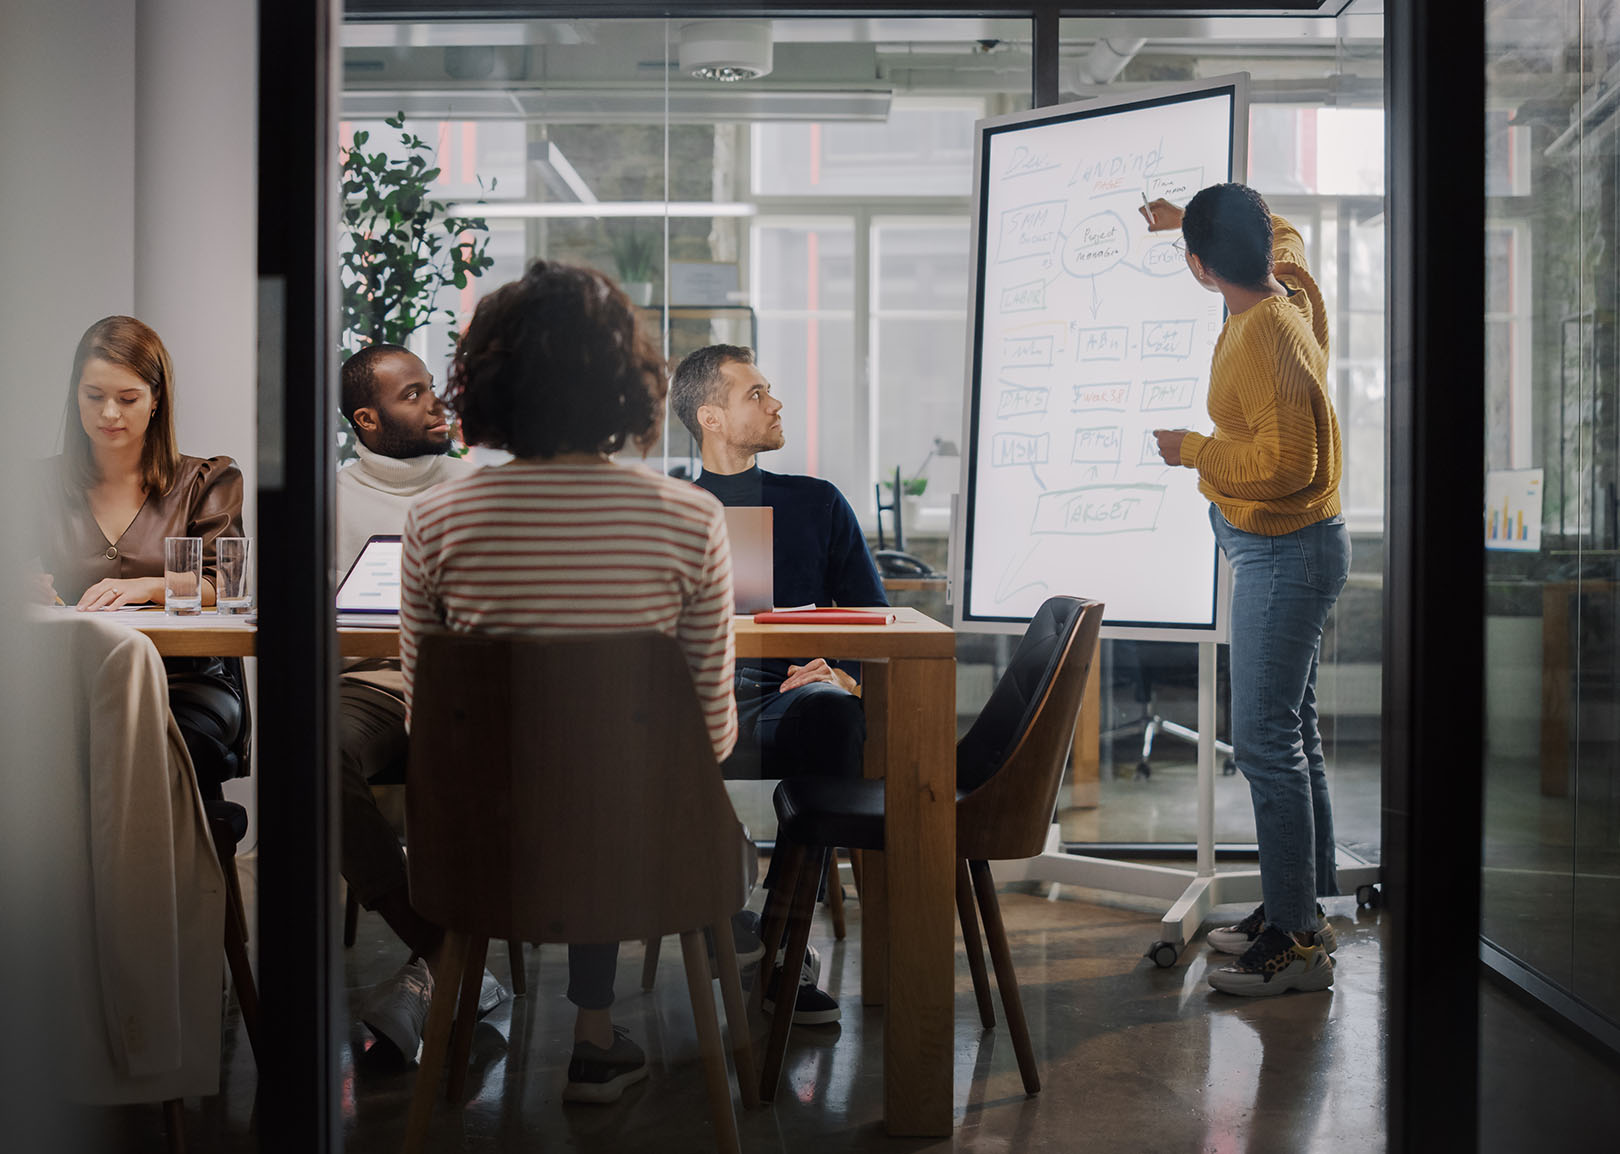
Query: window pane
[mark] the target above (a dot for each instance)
(803, 278)
(916, 151)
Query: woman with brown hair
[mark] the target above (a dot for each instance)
(120, 486)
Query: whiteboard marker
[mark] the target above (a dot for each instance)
(1145, 203)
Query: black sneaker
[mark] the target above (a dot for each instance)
(744, 936)
(811, 1006)
(745, 933)
(1236, 939)
(1275, 964)
(601, 1076)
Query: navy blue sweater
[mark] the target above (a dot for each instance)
(820, 552)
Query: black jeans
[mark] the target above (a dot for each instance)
(816, 730)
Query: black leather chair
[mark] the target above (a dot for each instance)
(1008, 769)
(208, 697)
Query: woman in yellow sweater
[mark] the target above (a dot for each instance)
(1271, 471)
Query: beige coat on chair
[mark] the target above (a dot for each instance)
(145, 910)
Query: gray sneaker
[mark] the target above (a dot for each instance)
(398, 1008)
(1274, 965)
(490, 994)
(601, 1076)
(1236, 939)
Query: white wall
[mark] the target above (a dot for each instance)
(128, 181)
(196, 240)
(195, 198)
(67, 181)
(67, 257)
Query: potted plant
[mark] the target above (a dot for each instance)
(636, 258)
(403, 246)
(911, 491)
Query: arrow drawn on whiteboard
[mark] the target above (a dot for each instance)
(1096, 301)
(1037, 477)
(1005, 589)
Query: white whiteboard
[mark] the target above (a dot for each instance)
(1090, 332)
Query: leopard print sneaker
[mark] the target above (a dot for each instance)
(1236, 939)
(1275, 964)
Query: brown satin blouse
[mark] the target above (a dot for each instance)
(206, 502)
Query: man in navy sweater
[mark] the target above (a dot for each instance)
(802, 717)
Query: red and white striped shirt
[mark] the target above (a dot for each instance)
(576, 548)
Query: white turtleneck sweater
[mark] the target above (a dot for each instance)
(375, 492)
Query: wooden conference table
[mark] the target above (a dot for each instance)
(908, 933)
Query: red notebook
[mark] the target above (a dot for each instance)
(824, 617)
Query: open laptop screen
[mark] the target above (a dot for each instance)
(372, 584)
(753, 560)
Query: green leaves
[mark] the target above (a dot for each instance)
(402, 247)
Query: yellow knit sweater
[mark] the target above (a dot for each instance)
(1274, 463)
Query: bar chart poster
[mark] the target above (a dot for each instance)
(1513, 510)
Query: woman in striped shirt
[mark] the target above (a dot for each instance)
(562, 539)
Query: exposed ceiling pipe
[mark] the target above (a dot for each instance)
(1106, 60)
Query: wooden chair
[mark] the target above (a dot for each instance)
(1008, 769)
(565, 790)
(351, 928)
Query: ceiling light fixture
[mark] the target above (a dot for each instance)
(726, 50)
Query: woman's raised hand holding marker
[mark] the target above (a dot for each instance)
(1160, 214)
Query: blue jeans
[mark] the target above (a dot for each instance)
(1282, 590)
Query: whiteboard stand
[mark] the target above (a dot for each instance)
(1192, 893)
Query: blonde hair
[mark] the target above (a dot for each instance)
(128, 344)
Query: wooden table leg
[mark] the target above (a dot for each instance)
(874, 886)
(1085, 762)
(920, 864)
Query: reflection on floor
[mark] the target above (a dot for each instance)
(1132, 1057)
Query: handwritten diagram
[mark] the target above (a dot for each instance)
(1093, 335)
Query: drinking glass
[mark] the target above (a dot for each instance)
(182, 575)
(233, 557)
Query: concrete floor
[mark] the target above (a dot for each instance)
(1132, 1057)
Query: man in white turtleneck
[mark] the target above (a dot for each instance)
(404, 433)
(404, 441)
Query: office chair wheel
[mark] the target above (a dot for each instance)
(1163, 954)
(1229, 767)
(1369, 897)
(1143, 771)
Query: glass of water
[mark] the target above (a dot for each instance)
(233, 558)
(182, 575)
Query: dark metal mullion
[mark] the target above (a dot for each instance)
(1434, 566)
(1048, 37)
(301, 984)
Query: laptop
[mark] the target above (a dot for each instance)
(368, 596)
(753, 561)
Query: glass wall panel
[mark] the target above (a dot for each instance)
(1552, 471)
(818, 213)
(1316, 152)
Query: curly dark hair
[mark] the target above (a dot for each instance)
(1228, 227)
(556, 363)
